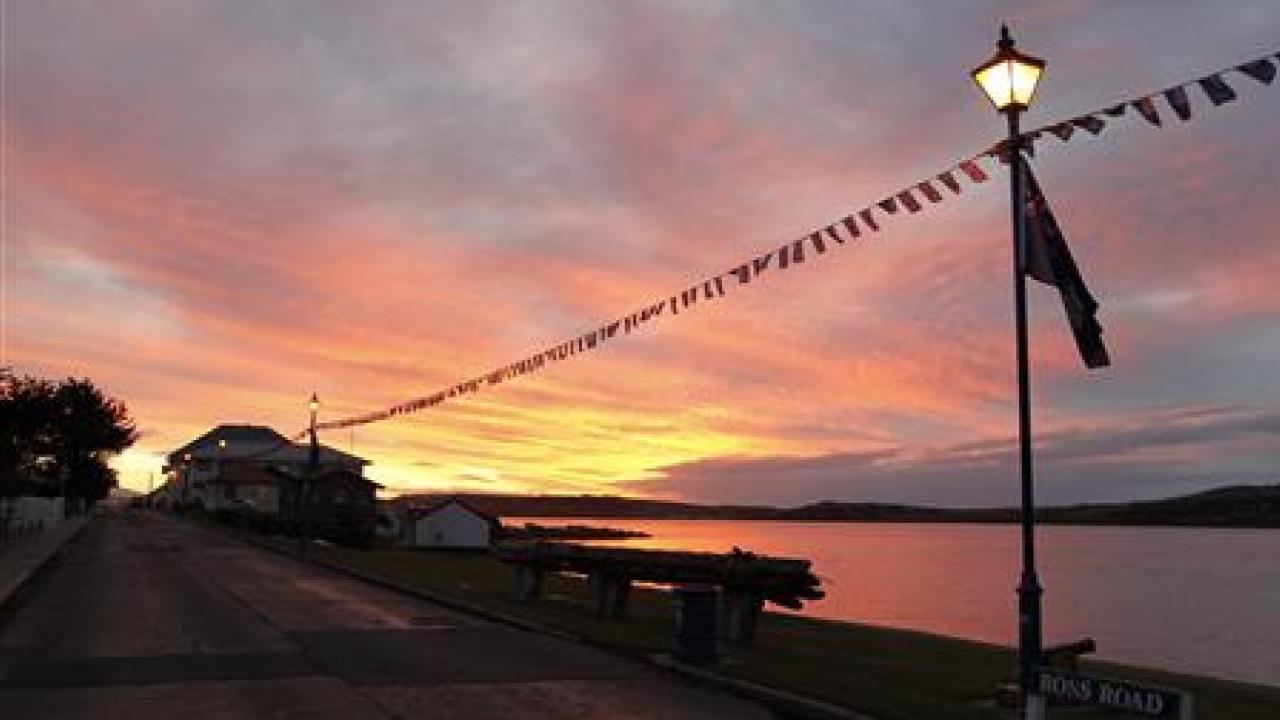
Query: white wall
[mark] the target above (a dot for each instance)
(451, 526)
(31, 510)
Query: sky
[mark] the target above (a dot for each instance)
(213, 209)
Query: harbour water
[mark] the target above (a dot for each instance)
(1201, 601)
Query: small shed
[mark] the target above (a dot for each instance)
(451, 523)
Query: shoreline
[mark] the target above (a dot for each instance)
(901, 521)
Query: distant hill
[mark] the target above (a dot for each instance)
(1255, 506)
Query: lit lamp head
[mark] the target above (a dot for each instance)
(1009, 78)
(222, 443)
(315, 402)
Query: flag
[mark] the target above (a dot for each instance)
(1089, 122)
(929, 192)
(835, 234)
(797, 251)
(852, 226)
(868, 219)
(761, 263)
(818, 243)
(743, 272)
(1147, 108)
(950, 181)
(1217, 90)
(888, 205)
(974, 172)
(1114, 110)
(1261, 70)
(1177, 97)
(1063, 130)
(1048, 259)
(909, 201)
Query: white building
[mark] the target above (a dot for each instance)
(451, 524)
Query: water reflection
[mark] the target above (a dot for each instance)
(1195, 600)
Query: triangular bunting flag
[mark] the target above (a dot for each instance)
(909, 201)
(950, 181)
(797, 251)
(819, 244)
(1089, 122)
(834, 235)
(929, 192)
(761, 263)
(1063, 130)
(1261, 70)
(743, 272)
(1114, 110)
(868, 219)
(888, 205)
(852, 226)
(1217, 90)
(1147, 108)
(974, 172)
(1177, 97)
(784, 257)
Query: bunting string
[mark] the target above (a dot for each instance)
(1213, 86)
(857, 225)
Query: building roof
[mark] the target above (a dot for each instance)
(257, 441)
(423, 510)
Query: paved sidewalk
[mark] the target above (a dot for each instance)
(21, 560)
(144, 616)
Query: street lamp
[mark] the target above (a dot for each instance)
(315, 445)
(222, 459)
(1009, 80)
(306, 479)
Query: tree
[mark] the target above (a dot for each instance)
(57, 439)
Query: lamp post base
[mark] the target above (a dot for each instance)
(1034, 708)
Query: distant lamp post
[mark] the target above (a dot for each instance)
(307, 478)
(314, 457)
(186, 477)
(1009, 80)
(222, 459)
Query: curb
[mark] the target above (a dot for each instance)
(795, 705)
(788, 704)
(11, 593)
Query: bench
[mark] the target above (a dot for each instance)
(745, 580)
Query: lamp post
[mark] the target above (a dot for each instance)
(222, 459)
(1009, 79)
(304, 483)
(314, 457)
(187, 481)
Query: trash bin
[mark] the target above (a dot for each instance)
(696, 621)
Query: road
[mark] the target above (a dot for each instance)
(147, 616)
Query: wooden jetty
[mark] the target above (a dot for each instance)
(745, 580)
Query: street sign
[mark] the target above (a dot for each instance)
(1148, 701)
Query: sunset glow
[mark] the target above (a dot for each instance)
(213, 210)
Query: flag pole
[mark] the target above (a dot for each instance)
(1029, 590)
